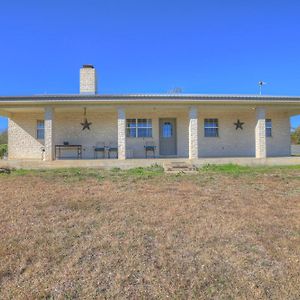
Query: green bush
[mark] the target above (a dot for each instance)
(3, 150)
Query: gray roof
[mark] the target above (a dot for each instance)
(148, 97)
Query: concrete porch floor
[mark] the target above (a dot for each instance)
(133, 163)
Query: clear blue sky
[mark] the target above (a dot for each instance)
(213, 46)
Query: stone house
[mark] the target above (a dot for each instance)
(90, 125)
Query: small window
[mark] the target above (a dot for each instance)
(40, 129)
(211, 128)
(139, 128)
(268, 128)
(167, 130)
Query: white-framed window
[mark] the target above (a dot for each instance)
(268, 128)
(40, 129)
(211, 127)
(139, 128)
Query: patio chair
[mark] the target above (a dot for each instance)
(100, 147)
(150, 147)
(112, 148)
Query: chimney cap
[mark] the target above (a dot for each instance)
(88, 66)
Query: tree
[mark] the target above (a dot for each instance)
(3, 137)
(295, 136)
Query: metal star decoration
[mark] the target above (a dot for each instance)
(86, 124)
(239, 124)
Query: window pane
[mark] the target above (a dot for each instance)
(131, 132)
(211, 128)
(40, 131)
(144, 132)
(142, 123)
(167, 130)
(211, 132)
(143, 126)
(40, 134)
(40, 124)
(268, 127)
(131, 123)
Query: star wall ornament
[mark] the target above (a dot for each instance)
(239, 124)
(86, 124)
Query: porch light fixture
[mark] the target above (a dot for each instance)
(85, 124)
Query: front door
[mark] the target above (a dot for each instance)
(167, 136)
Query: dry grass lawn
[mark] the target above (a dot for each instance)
(224, 233)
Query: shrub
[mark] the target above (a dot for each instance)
(3, 150)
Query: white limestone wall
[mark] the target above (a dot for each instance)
(137, 144)
(69, 129)
(241, 143)
(280, 142)
(230, 143)
(22, 141)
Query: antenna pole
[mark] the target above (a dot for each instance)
(261, 83)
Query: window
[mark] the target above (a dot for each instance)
(139, 128)
(211, 128)
(40, 129)
(268, 128)
(167, 130)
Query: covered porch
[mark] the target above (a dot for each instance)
(131, 131)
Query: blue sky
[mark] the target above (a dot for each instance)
(153, 46)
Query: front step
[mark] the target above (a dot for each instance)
(179, 167)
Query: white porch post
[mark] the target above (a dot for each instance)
(193, 132)
(49, 133)
(260, 133)
(121, 133)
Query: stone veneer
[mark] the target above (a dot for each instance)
(193, 132)
(260, 133)
(49, 133)
(121, 133)
(23, 143)
(88, 81)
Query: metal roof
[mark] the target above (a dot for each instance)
(147, 96)
(63, 99)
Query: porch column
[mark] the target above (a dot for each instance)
(260, 133)
(49, 133)
(121, 133)
(193, 132)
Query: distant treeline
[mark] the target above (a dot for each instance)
(3, 137)
(295, 136)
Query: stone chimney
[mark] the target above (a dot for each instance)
(88, 80)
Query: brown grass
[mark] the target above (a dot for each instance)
(211, 235)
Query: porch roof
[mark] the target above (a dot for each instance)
(144, 98)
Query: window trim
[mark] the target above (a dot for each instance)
(137, 127)
(269, 127)
(217, 128)
(38, 129)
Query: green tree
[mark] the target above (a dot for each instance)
(3, 137)
(295, 136)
